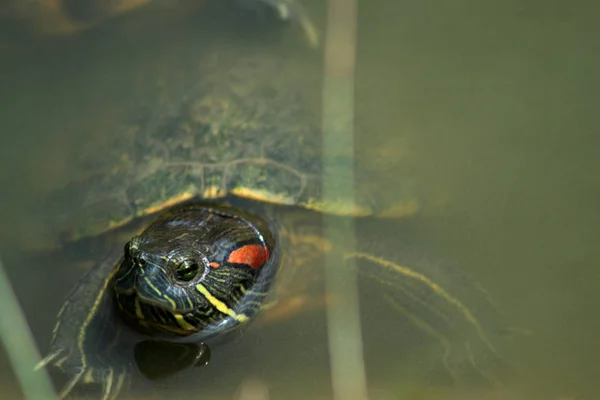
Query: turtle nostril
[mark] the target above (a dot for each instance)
(139, 261)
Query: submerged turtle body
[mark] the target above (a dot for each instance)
(68, 17)
(242, 129)
(246, 127)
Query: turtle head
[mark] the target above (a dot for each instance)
(194, 271)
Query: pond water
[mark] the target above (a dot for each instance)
(491, 105)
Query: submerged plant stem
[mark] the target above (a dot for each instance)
(19, 345)
(343, 316)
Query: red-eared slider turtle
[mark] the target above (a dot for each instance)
(246, 133)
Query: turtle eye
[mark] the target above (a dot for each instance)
(187, 270)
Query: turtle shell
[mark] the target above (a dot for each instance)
(247, 125)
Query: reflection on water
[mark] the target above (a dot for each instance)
(495, 102)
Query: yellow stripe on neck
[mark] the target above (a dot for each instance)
(219, 305)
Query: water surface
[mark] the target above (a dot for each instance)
(493, 104)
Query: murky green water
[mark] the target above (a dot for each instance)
(494, 105)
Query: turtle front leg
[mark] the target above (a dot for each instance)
(447, 307)
(111, 379)
(88, 341)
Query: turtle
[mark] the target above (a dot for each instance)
(226, 183)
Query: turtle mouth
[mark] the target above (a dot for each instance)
(153, 319)
(151, 293)
(151, 302)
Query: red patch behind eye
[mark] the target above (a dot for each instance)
(254, 255)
